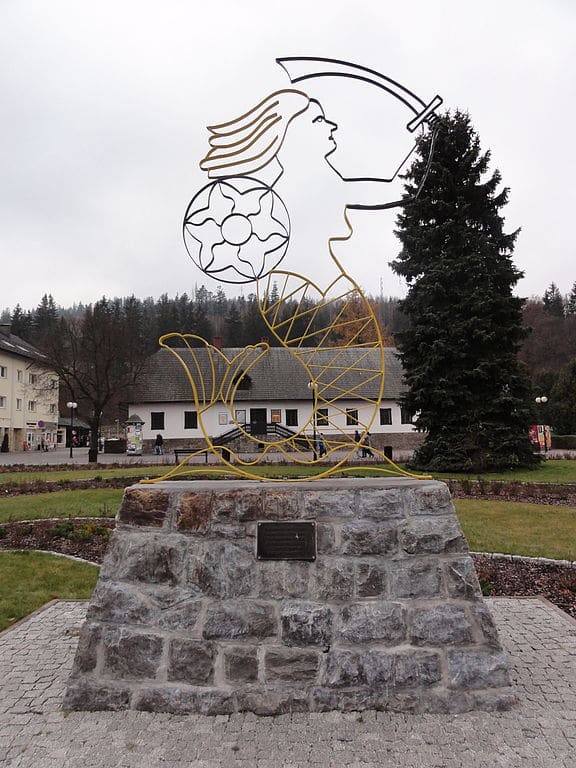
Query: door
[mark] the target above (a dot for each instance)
(258, 421)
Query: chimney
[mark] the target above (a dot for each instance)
(217, 342)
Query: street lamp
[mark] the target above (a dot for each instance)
(72, 406)
(312, 385)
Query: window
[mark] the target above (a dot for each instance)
(276, 416)
(53, 383)
(190, 420)
(31, 405)
(52, 408)
(406, 416)
(2, 401)
(32, 378)
(3, 372)
(352, 417)
(385, 416)
(322, 417)
(19, 376)
(18, 403)
(291, 417)
(157, 420)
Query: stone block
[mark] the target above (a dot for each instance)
(369, 622)
(268, 702)
(416, 669)
(365, 538)
(87, 650)
(325, 539)
(330, 700)
(333, 579)
(370, 579)
(238, 570)
(290, 665)
(344, 669)
(281, 505)
(329, 505)
(147, 558)
(144, 508)
(415, 579)
(477, 668)
(204, 569)
(379, 668)
(182, 614)
(95, 696)
(431, 499)
(306, 624)
(441, 624)
(461, 578)
(241, 664)
(184, 701)
(432, 535)
(119, 603)
(129, 655)
(381, 505)
(485, 623)
(237, 506)
(194, 512)
(191, 661)
(239, 619)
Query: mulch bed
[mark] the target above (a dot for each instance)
(497, 577)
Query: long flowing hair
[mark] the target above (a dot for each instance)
(247, 143)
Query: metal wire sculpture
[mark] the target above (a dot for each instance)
(237, 230)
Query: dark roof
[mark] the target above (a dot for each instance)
(17, 346)
(277, 376)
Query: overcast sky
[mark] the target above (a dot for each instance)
(104, 107)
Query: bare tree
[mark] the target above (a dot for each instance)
(98, 358)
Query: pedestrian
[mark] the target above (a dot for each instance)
(159, 445)
(322, 450)
(366, 450)
(360, 450)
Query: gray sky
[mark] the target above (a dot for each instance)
(104, 107)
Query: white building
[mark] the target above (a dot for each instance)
(28, 396)
(274, 393)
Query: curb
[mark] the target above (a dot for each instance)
(525, 559)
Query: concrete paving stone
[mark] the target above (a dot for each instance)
(36, 656)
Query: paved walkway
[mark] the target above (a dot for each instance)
(36, 656)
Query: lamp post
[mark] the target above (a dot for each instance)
(312, 385)
(542, 400)
(72, 407)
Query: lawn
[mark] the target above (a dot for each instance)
(533, 530)
(553, 471)
(99, 502)
(28, 580)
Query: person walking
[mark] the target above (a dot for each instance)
(366, 450)
(159, 445)
(322, 450)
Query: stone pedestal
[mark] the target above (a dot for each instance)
(186, 618)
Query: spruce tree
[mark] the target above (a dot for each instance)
(465, 384)
(552, 300)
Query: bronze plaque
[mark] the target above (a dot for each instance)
(286, 541)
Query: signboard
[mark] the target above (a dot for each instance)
(286, 541)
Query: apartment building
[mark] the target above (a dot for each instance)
(28, 396)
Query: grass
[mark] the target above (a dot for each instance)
(516, 528)
(99, 502)
(83, 474)
(553, 471)
(28, 580)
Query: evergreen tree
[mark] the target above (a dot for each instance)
(564, 400)
(552, 300)
(571, 302)
(465, 384)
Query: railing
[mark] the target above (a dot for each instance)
(234, 434)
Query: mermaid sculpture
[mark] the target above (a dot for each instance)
(237, 229)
